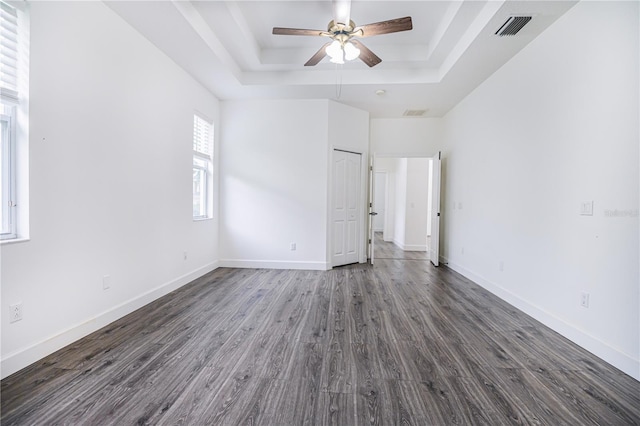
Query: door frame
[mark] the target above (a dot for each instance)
(376, 155)
(364, 210)
(436, 204)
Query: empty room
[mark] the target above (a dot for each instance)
(317, 212)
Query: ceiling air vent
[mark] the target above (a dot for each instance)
(513, 25)
(415, 112)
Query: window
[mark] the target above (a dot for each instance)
(14, 29)
(7, 162)
(202, 168)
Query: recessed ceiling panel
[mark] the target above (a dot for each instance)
(228, 46)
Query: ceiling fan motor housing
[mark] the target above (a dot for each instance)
(341, 32)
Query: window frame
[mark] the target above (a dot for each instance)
(203, 163)
(14, 109)
(8, 223)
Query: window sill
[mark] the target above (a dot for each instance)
(14, 241)
(202, 219)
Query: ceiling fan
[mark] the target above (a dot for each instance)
(344, 35)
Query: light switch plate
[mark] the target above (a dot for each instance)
(586, 208)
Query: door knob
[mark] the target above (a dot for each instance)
(373, 213)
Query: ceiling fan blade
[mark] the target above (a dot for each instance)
(342, 11)
(299, 32)
(318, 56)
(384, 27)
(366, 55)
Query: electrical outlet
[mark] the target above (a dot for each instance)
(462, 250)
(16, 312)
(584, 300)
(293, 246)
(501, 266)
(184, 255)
(106, 282)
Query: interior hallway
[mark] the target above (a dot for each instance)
(388, 250)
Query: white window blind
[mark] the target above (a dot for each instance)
(8, 53)
(202, 136)
(202, 168)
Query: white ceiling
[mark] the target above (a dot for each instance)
(228, 47)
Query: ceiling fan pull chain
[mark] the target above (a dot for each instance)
(338, 81)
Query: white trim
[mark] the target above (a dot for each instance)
(609, 354)
(14, 240)
(201, 218)
(403, 155)
(24, 357)
(410, 247)
(415, 247)
(204, 137)
(274, 264)
(9, 175)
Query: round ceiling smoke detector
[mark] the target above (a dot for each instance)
(380, 92)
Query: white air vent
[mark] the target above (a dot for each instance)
(513, 25)
(415, 112)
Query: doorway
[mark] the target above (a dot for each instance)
(408, 204)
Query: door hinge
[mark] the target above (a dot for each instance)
(370, 204)
(370, 168)
(369, 240)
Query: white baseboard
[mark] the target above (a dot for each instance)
(24, 357)
(415, 247)
(410, 247)
(602, 350)
(274, 264)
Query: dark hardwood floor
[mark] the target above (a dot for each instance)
(399, 343)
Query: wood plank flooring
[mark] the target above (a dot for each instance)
(399, 343)
(388, 250)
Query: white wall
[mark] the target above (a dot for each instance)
(348, 128)
(556, 126)
(110, 181)
(404, 137)
(411, 177)
(400, 214)
(380, 199)
(389, 166)
(273, 184)
(417, 189)
(275, 179)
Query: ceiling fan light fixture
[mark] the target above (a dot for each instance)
(340, 52)
(350, 51)
(335, 52)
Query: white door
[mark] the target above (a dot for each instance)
(379, 201)
(435, 210)
(372, 212)
(346, 212)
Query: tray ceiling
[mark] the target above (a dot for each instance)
(228, 47)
